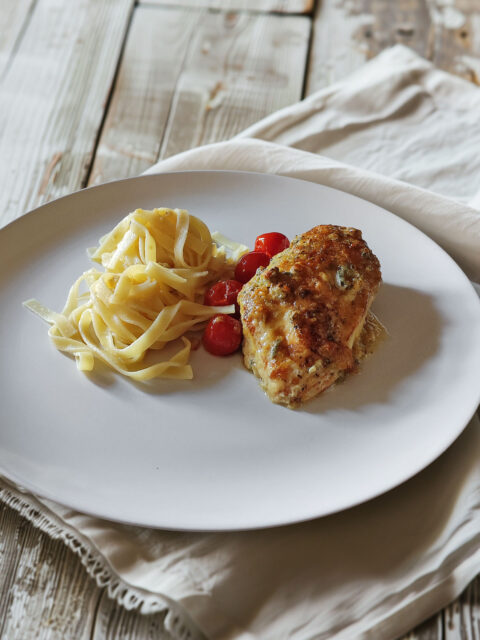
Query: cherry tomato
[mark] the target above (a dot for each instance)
(223, 335)
(248, 264)
(223, 293)
(271, 243)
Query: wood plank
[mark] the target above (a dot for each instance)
(114, 622)
(13, 17)
(45, 593)
(431, 629)
(280, 6)
(52, 99)
(448, 33)
(239, 68)
(462, 617)
(137, 116)
(456, 39)
(348, 33)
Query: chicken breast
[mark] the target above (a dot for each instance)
(304, 316)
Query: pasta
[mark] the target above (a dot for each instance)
(157, 265)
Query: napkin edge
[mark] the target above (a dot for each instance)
(177, 622)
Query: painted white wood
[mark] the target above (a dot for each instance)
(347, 33)
(212, 73)
(462, 617)
(239, 68)
(281, 6)
(13, 16)
(431, 629)
(334, 51)
(45, 593)
(113, 622)
(157, 42)
(455, 37)
(53, 98)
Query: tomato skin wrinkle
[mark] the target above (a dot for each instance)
(222, 293)
(222, 335)
(271, 243)
(249, 263)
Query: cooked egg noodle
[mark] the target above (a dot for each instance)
(158, 265)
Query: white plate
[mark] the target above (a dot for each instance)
(214, 453)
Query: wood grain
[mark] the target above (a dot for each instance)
(364, 28)
(114, 622)
(239, 68)
(235, 68)
(137, 116)
(462, 617)
(444, 32)
(280, 6)
(456, 39)
(45, 592)
(214, 73)
(14, 15)
(53, 97)
(431, 629)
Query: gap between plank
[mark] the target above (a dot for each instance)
(95, 613)
(274, 12)
(19, 38)
(306, 68)
(86, 178)
(6, 512)
(201, 13)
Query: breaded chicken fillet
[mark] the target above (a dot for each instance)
(304, 316)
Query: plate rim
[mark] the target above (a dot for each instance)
(466, 414)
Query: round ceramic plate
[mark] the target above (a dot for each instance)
(214, 453)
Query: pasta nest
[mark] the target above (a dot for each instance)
(157, 265)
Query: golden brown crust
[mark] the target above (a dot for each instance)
(302, 314)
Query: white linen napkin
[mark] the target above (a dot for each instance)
(376, 570)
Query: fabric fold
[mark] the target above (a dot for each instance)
(453, 225)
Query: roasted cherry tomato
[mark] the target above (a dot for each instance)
(271, 243)
(249, 263)
(223, 335)
(223, 293)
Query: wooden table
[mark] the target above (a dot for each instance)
(93, 90)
